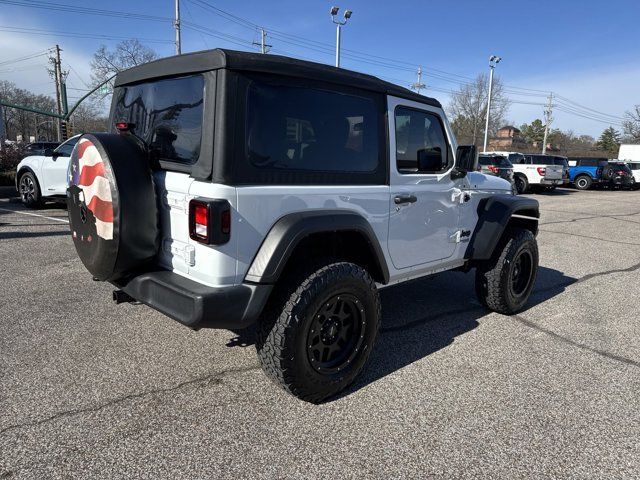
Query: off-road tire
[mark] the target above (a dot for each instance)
(495, 278)
(522, 184)
(583, 182)
(29, 190)
(286, 328)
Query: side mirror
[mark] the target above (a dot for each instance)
(466, 160)
(48, 152)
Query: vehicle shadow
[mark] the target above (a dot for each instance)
(11, 235)
(557, 192)
(424, 316)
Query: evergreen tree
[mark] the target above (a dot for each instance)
(609, 140)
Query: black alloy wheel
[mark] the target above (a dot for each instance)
(336, 333)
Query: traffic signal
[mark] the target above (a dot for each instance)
(65, 130)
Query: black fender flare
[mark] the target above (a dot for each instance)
(494, 214)
(289, 230)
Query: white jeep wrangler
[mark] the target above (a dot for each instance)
(238, 188)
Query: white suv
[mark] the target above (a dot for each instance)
(44, 177)
(240, 188)
(537, 171)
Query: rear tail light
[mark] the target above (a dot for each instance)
(542, 171)
(599, 171)
(621, 172)
(493, 169)
(209, 221)
(124, 126)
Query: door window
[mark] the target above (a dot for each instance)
(421, 145)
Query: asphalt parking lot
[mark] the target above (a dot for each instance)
(89, 389)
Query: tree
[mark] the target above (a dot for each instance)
(631, 124)
(126, 54)
(533, 132)
(88, 118)
(468, 108)
(20, 122)
(609, 140)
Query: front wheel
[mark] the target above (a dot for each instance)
(29, 190)
(504, 283)
(317, 336)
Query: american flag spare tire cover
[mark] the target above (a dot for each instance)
(110, 197)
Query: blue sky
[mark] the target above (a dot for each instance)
(586, 51)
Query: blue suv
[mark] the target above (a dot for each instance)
(584, 172)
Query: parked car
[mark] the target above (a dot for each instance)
(584, 172)
(635, 170)
(38, 148)
(44, 177)
(286, 193)
(536, 171)
(617, 175)
(496, 165)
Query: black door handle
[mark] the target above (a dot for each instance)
(398, 199)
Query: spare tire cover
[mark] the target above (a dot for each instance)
(111, 199)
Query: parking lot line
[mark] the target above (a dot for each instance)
(35, 215)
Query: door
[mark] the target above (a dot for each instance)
(54, 169)
(424, 201)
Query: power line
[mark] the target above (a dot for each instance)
(26, 57)
(36, 31)
(84, 10)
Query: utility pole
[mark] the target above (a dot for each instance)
(264, 48)
(547, 121)
(176, 24)
(339, 24)
(418, 85)
(57, 73)
(493, 61)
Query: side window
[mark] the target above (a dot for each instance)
(421, 145)
(66, 148)
(306, 129)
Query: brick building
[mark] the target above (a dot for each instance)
(507, 138)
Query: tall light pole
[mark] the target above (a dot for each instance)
(176, 25)
(339, 24)
(493, 61)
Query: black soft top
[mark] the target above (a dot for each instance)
(256, 62)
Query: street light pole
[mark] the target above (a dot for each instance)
(176, 25)
(339, 24)
(493, 61)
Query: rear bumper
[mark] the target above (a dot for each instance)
(197, 305)
(545, 181)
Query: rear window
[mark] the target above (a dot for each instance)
(547, 160)
(166, 115)
(306, 129)
(498, 161)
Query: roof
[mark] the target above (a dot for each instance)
(509, 127)
(256, 62)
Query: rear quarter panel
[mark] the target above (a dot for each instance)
(258, 209)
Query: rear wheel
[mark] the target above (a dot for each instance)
(583, 182)
(521, 184)
(504, 283)
(317, 334)
(29, 190)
